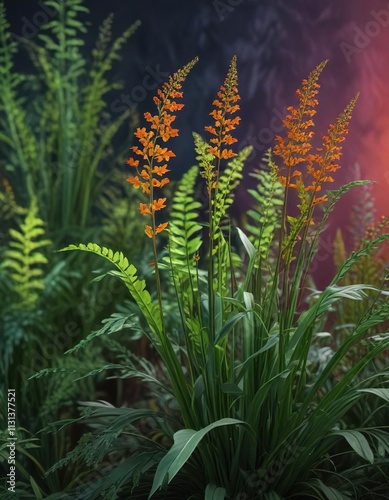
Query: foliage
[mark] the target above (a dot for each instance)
(371, 269)
(252, 419)
(57, 159)
(22, 277)
(264, 218)
(59, 145)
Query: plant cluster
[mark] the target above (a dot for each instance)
(240, 411)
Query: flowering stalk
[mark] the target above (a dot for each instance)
(151, 160)
(225, 107)
(295, 150)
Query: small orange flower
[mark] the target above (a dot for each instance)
(161, 227)
(158, 204)
(144, 209)
(145, 175)
(161, 170)
(134, 181)
(133, 163)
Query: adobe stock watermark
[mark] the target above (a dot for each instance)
(225, 7)
(363, 37)
(12, 440)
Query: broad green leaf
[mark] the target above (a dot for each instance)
(185, 443)
(229, 325)
(381, 393)
(358, 443)
(329, 492)
(213, 492)
(36, 489)
(250, 249)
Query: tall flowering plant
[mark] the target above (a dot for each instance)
(253, 420)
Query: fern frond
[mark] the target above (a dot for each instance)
(109, 423)
(8, 47)
(227, 183)
(93, 103)
(184, 244)
(16, 133)
(24, 258)
(184, 241)
(127, 273)
(116, 323)
(365, 250)
(63, 39)
(265, 216)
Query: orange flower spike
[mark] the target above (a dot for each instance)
(152, 152)
(295, 147)
(327, 156)
(227, 95)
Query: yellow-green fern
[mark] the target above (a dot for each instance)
(24, 259)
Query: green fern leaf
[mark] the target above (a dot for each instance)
(127, 273)
(228, 181)
(184, 241)
(116, 323)
(265, 216)
(25, 259)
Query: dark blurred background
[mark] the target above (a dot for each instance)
(277, 43)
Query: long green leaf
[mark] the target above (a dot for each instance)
(213, 492)
(358, 443)
(185, 443)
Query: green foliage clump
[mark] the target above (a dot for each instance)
(57, 148)
(249, 414)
